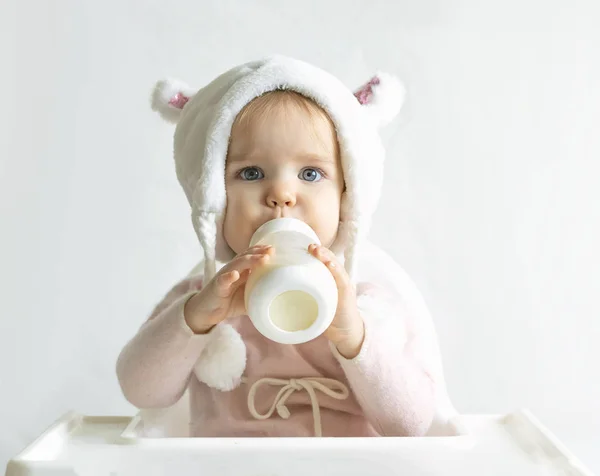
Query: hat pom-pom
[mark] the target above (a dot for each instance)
(223, 361)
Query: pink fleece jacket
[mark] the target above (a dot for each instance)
(391, 391)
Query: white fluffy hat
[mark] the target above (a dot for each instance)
(204, 120)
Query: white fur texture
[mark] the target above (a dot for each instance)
(223, 361)
(164, 91)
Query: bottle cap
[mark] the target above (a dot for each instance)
(283, 224)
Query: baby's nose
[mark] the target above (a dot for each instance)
(281, 197)
(281, 202)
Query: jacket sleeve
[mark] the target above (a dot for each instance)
(155, 366)
(390, 377)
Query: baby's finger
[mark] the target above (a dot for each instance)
(326, 256)
(225, 282)
(256, 249)
(249, 261)
(244, 275)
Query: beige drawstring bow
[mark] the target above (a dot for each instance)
(329, 387)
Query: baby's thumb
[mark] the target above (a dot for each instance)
(238, 302)
(225, 282)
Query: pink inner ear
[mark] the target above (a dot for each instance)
(179, 100)
(365, 93)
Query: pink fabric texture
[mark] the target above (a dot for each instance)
(365, 93)
(392, 391)
(179, 100)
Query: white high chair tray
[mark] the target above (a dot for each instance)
(514, 444)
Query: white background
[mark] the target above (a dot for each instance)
(491, 198)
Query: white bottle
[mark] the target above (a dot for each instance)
(293, 298)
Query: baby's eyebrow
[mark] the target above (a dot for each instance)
(325, 159)
(242, 157)
(304, 157)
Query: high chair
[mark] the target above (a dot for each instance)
(155, 443)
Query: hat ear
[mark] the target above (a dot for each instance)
(383, 97)
(169, 97)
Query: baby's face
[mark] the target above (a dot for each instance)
(284, 163)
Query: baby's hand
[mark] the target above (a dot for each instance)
(223, 296)
(346, 331)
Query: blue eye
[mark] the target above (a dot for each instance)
(311, 175)
(251, 174)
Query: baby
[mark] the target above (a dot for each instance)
(281, 138)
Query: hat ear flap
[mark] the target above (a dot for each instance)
(383, 97)
(169, 97)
